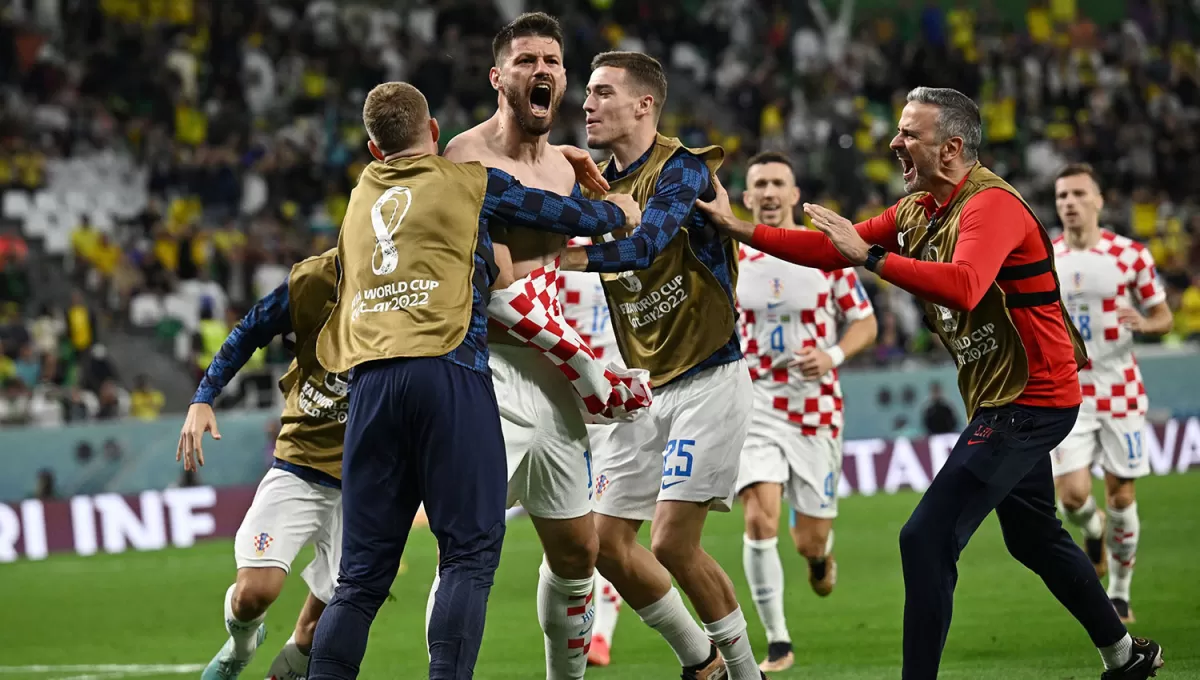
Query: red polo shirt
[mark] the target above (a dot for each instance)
(995, 230)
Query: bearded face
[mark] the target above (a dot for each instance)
(533, 81)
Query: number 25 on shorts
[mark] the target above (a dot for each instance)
(677, 462)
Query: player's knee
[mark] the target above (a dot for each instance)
(1072, 498)
(671, 552)
(574, 559)
(1121, 496)
(760, 524)
(914, 539)
(252, 599)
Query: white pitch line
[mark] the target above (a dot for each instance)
(105, 670)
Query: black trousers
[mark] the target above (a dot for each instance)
(418, 430)
(1001, 462)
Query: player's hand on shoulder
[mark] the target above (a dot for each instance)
(633, 212)
(200, 419)
(719, 212)
(587, 173)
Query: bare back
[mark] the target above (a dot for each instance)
(518, 251)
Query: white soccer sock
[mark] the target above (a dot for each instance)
(608, 606)
(290, 662)
(1085, 518)
(243, 633)
(437, 578)
(1117, 655)
(729, 635)
(764, 572)
(1122, 538)
(565, 612)
(671, 619)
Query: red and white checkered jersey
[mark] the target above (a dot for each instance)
(530, 311)
(784, 308)
(586, 310)
(1116, 273)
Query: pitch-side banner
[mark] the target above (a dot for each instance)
(154, 520)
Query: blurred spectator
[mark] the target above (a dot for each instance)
(145, 402)
(75, 405)
(81, 323)
(109, 402)
(44, 489)
(15, 403)
(939, 417)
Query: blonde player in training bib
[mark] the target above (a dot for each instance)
(790, 321)
(1105, 279)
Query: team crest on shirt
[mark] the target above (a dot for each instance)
(261, 543)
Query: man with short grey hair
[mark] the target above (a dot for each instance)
(968, 246)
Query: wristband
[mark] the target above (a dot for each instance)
(836, 355)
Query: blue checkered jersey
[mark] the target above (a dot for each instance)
(507, 201)
(268, 318)
(683, 179)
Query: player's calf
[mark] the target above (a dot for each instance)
(1122, 531)
(292, 661)
(246, 604)
(813, 537)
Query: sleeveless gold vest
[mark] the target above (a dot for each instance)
(993, 366)
(674, 314)
(406, 258)
(313, 423)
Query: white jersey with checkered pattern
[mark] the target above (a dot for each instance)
(785, 307)
(586, 310)
(1116, 273)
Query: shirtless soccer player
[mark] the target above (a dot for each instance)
(586, 309)
(670, 289)
(790, 321)
(299, 501)
(1105, 278)
(545, 436)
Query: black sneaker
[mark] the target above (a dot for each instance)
(713, 668)
(1123, 610)
(1145, 659)
(779, 657)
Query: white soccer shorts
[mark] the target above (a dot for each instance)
(1115, 444)
(808, 467)
(549, 462)
(286, 514)
(686, 448)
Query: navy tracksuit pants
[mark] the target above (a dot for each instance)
(1001, 462)
(418, 430)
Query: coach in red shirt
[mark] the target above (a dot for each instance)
(967, 245)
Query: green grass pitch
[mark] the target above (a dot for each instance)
(138, 610)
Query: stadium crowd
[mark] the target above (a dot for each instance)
(239, 124)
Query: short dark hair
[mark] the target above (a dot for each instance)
(1073, 169)
(764, 157)
(529, 24)
(643, 70)
(395, 115)
(958, 117)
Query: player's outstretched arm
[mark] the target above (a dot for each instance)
(680, 183)
(268, 318)
(816, 249)
(515, 203)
